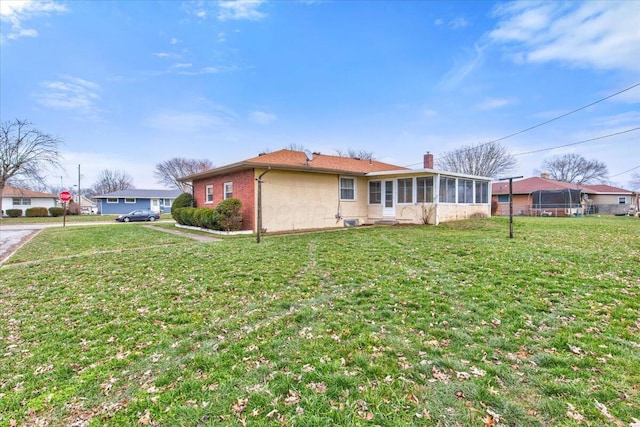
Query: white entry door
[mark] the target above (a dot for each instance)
(388, 209)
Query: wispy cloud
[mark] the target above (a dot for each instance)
(455, 23)
(494, 103)
(17, 12)
(601, 35)
(262, 118)
(71, 93)
(240, 9)
(462, 68)
(188, 122)
(458, 22)
(206, 70)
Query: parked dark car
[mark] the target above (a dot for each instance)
(139, 215)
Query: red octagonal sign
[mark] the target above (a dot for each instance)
(65, 196)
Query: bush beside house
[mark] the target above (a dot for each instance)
(56, 211)
(227, 216)
(185, 200)
(14, 213)
(36, 212)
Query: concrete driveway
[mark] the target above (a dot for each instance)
(14, 236)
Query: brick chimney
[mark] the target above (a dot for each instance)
(428, 161)
(545, 175)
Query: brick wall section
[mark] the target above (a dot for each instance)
(243, 189)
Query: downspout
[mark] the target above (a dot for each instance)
(259, 180)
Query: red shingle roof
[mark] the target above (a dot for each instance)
(11, 191)
(322, 161)
(529, 185)
(298, 160)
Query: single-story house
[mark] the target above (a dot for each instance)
(541, 196)
(23, 199)
(290, 191)
(125, 201)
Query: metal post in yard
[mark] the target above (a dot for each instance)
(510, 202)
(259, 180)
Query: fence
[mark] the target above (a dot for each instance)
(563, 210)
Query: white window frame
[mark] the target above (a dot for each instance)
(447, 183)
(225, 189)
(622, 200)
(129, 200)
(481, 192)
(406, 195)
(354, 189)
(464, 186)
(111, 200)
(208, 194)
(421, 195)
(379, 202)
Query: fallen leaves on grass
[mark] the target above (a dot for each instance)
(574, 414)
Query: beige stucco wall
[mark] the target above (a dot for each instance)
(609, 199)
(303, 200)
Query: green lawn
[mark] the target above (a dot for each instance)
(455, 325)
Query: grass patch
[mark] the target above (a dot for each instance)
(421, 325)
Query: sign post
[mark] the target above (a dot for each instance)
(64, 196)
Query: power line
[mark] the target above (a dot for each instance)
(564, 115)
(579, 142)
(622, 173)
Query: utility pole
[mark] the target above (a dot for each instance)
(79, 196)
(510, 202)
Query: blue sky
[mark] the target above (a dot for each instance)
(128, 84)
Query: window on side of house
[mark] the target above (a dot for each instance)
(208, 194)
(447, 189)
(21, 201)
(424, 187)
(112, 200)
(482, 192)
(347, 188)
(375, 192)
(228, 190)
(465, 191)
(622, 200)
(168, 202)
(503, 198)
(405, 190)
(129, 200)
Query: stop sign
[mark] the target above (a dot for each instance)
(65, 195)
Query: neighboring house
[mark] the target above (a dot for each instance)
(87, 206)
(125, 201)
(23, 199)
(541, 196)
(298, 192)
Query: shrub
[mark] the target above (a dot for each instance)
(38, 212)
(186, 216)
(211, 219)
(73, 208)
(185, 200)
(230, 214)
(56, 211)
(14, 213)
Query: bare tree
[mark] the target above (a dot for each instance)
(109, 181)
(489, 159)
(169, 171)
(296, 147)
(576, 169)
(356, 154)
(635, 181)
(26, 153)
